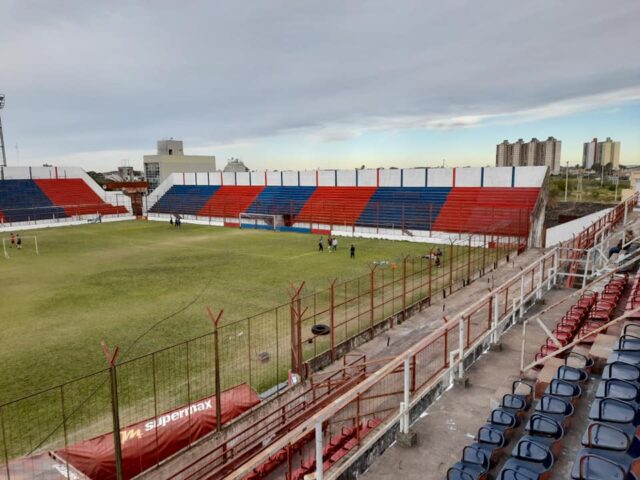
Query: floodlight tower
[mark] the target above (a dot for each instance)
(4, 155)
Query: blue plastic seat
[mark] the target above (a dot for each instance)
(492, 441)
(474, 463)
(571, 374)
(514, 404)
(628, 343)
(632, 357)
(616, 412)
(562, 389)
(621, 371)
(592, 464)
(607, 436)
(529, 457)
(527, 397)
(546, 431)
(620, 389)
(556, 408)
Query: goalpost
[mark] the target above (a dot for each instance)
(6, 245)
(258, 220)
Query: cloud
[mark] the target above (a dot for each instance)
(116, 76)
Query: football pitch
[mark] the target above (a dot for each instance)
(115, 281)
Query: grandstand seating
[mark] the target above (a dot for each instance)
(281, 200)
(409, 207)
(76, 197)
(230, 201)
(501, 211)
(23, 200)
(336, 205)
(610, 444)
(490, 210)
(29, 200)
(184, 199)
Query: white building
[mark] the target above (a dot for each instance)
(170, 158)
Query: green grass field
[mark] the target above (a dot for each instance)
(113, 281)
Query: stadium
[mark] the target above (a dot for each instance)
(213, 337)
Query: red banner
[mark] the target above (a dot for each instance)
(146, 443)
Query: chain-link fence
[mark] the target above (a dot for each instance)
(138, 397)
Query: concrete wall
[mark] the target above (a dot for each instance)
(566, 231)
(409, 177)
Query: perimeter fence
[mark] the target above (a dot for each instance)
(260, 351)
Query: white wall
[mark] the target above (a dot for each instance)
(468, 177)
(290, 179)
(389, 178)
(414, 177)
(497, 177)
(273, 179)
(367, 178)
(346, 178)
(327, 178)
(242, 178)
(308, 178)
(530, 176)
(567, 230)
(439, 177)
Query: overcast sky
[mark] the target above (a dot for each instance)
(306, 84)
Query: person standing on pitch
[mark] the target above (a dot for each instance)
(19, 242)
(353, 251)
(13, 240)
(320, 245)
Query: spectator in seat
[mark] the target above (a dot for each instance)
(628, 236)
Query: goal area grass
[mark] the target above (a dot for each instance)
(115, 281)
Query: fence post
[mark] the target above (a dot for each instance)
(404, 288)
(469, 261)
(319, 449)
(407, 386)
(64, 427)
(115, 411)
(331, 319)
(461, 347)
(372, 303)
(430, 252)
(216, 359)
(451, 267)
(4, 443)
(521, 295)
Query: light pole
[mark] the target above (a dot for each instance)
(4, 155)
(566, 182)
(615, 195)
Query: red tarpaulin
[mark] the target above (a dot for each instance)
(148, 442)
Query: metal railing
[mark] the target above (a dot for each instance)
(260, 350)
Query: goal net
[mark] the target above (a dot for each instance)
(12, 245)
(260, 220)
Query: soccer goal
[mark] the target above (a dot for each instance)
(25, 243)
(260, 220)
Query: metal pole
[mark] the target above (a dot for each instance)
(404, 288)
(461, 346)
(566, 182)
(4, 155)
(319, 448)
(331, 320)
(216, 359)
(407, 386)
(115, 411)
(4, 443)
